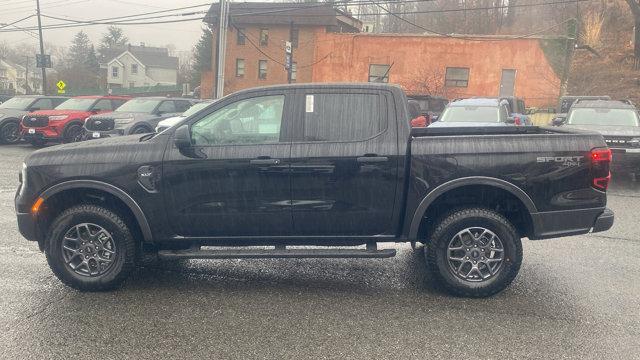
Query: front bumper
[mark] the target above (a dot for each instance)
(553, 224)
(104, 134)
(28, 226)
(39, 134)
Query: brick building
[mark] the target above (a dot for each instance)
(255, 53)
(330, 49)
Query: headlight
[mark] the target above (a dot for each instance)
(58, 117)
(123, 121)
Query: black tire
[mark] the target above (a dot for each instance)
(141, 130)
(437, 253)
(123, 259)
(10, 132)
(73, 133)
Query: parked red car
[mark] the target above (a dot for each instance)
(65, 122)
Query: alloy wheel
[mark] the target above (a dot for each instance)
(475, 254)
(88, 249)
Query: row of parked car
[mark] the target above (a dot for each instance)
(617, 121)
(41, 119)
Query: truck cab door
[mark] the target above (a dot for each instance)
(344, 163)
(233, 180)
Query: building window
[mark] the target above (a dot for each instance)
(240, 38)
(262, 69)
(457, 77)
(134, 68)
(114, 72)
(379, 73)
(295, 35)
(294, 71)
(239, 67)
(264, 37)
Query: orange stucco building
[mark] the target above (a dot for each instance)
(329, 49)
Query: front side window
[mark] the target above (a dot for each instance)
(139, 106)
(264, 37)
(262, 69)
(606, 117)
(239, 67)
(342, 117)
(457, 77)
(250, 121)
(379, 73)
(114, 71)
(76, 104)
(486, 114)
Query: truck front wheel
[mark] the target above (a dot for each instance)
(90, 248)
(474, 252)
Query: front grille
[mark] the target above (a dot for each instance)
(100, 124)
(620, 142)
(35, 121)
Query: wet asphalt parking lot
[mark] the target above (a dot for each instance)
(575, 298)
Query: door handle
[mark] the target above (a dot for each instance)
(264, 161)
(372, 158)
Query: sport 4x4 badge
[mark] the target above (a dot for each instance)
(564, 160)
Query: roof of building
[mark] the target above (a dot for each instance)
(604, 104)
(147, 55)
(301, 14)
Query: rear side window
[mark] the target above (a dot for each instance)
(182, 106)
(342, 117)
(103, 105)
(167, 107)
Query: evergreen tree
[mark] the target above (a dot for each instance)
(114, 38)
(202, 52)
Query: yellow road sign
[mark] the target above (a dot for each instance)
(61, 85)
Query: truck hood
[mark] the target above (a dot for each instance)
(465, 124)
(99, 151)
(11, 113)
(608, 130)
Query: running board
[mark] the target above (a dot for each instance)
(197, 253)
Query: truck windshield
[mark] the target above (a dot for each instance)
(139, 106)
(76, 104)
(471, 114)
(17, 103)
(606, 117)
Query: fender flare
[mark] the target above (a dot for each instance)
(111, 189)
(466, 181)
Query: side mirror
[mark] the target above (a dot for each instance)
(558, 121)
(182, 137)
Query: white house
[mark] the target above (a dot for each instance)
(139, 66)
(13, 76)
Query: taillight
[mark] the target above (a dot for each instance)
(517, 121)
(600, 164)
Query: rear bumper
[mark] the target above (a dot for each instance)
(555, 224)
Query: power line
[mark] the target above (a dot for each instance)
(15, 22)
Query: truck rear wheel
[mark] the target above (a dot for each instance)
(474, 252)
(90, 248)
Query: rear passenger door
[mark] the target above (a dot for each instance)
(344, 163)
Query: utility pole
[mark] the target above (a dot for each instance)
(222, 42)
(290, 54)
(26, 76)
(44, 70)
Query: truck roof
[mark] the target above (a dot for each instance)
(329, 85)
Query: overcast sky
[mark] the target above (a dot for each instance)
(183, 35)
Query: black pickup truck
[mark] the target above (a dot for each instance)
(313, 170)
